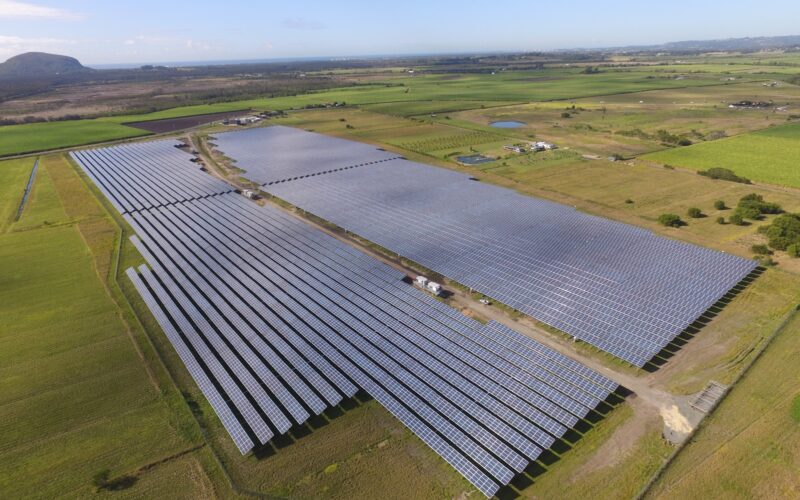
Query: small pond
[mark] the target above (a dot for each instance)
(474, 159)
(507, 124)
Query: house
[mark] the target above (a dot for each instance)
(542, 146)
(421, 281)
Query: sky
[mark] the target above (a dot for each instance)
(153, 31)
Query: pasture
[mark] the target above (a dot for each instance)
(400, 95)
(750, 446)
(628, 123)
(72, 386)
(769, 155)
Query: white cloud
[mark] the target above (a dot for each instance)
(12, 45)
(11, 9)
(129, 42)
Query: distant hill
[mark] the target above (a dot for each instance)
(749, 44)
(40, 64)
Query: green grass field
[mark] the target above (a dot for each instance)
(31, 137)
(769, 155)
(75, 397)
(750, 447)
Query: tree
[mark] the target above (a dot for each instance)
(752, 206)
(720, 205)
(793, 250)
(694, 213)
(784, 231)
(737, 220)
(670, 220)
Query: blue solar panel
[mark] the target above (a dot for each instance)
(618, 287)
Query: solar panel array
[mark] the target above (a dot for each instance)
(278, 153)
(276, 321)
(618, 287)
(147, 174)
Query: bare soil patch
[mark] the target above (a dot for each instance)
(184, 122)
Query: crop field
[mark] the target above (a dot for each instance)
(770, 155)
(413, 108)
(428, 143)
(72, 386)
(31, 137)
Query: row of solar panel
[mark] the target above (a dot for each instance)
(145, 175)
(276, 321)
(615, 286)
(368, 326)
(278, 153)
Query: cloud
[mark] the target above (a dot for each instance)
(301, 23)
(11, 9)
(11, 45)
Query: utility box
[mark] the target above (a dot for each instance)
(421, 281)
(434, 288)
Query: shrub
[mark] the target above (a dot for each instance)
(565, 115)
(720, 205)
(670, 220)
(737, 220)
(752, 206)
(720, 220)
(723, 174)
(767, 261)
(694, 213)
(629, 201)
(784, 231)
(761, 250)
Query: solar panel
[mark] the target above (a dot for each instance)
(620, 288)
